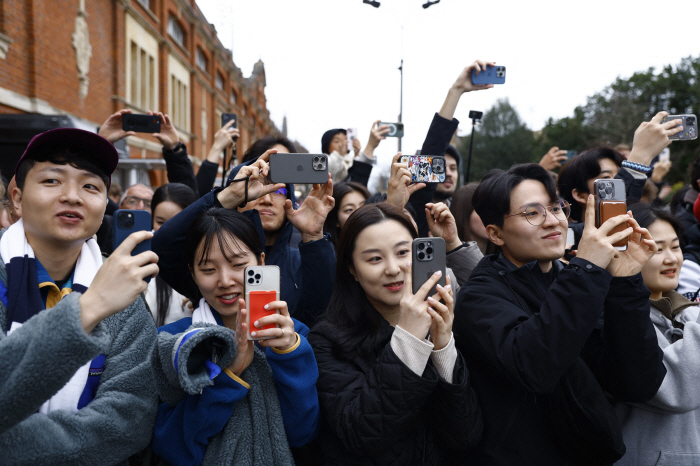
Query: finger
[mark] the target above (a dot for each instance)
(436, 316)
(288, 207)
(658, 117)
(279, 305)
(445, 292)
(438, 306)
(429, 217)
(146, 257)
(266, 156)
(429, 283)
(619, 236)
(673, 131)
(131, 241)
(415, 187)
(150, 270)
(590, 211)
(407, 279)
(613, 222)
(229, 124)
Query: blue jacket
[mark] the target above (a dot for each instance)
(182, 432)
(311, 264)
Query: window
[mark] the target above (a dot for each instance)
(201, 60)
(146, 4)
(219, 82)
(233, 97)
(179, 93)
(141, 66)
(175, 31)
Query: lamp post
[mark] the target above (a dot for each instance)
(475, 116)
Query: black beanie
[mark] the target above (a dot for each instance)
(452, 150)
(328, 137)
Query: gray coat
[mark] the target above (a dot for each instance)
(666, 429)
(40, 357)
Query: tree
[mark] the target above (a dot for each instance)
(501, 141)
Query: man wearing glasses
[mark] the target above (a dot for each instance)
(137, 197)
(524, 318)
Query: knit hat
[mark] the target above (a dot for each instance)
(328, 137)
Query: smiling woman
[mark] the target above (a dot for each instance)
(384, 388)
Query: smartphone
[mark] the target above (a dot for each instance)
(428, 256)
(665, 155)
(492, 75)
(226, 117)
(262, 286)
(127, 222)
(425, 168)
(141, 123)
(690, 127)
(570, 237)
(571, 154)
(610, 201)
(299, 168)
(395, 129)
(352, 135)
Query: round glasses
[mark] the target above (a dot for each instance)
(536, 214)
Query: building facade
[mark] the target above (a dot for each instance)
(90, 58)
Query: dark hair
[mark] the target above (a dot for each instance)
(75, 158)
(229, 227)
(378, 198)
(645, 215)
(462, 208)
(491, 199)
(259, 147)
(695, 175)
(350, 315)
(341, 190)
(577, 171)
(183, 196)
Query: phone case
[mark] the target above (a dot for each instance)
(492, 75)
(611, 201)
(226, 117)
(262, 286)
(423, 267)
(395, 129)
(123, 226)
(425, 168)
(299, 168)
(141, 123)
(690, 127)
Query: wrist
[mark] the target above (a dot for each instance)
(228, 199)
(88, 316)
(638, 156)
(657, 179)
(309, 237)
(453, 245)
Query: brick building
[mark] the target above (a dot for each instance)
(90, 58)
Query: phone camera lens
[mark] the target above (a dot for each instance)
(429, 251)
(421, 246)
(257, 276)
(421, 256)
(608, 189)
(315, 159)
(690, 121)
(251, 281)
(251, 272)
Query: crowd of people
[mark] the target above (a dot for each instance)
(546, 345)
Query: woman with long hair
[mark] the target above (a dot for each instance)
(469, 224)
(166, 304)
(349, 196)
(389, 393)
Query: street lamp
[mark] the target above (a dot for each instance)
(428, 4)
(376, 4)
(475, 116)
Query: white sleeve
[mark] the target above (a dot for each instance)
(412, 351)
(444, 360)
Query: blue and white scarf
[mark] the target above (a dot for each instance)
(23, 300)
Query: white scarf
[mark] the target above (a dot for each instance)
(14, 244)
(203, 314)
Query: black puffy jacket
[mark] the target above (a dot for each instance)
(519, 334)
(377, 411)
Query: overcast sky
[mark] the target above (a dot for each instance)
(333, 63)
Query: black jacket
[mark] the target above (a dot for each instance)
(377, 411)
(519, 334)
(179, 167)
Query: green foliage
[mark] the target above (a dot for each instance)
(500, 141)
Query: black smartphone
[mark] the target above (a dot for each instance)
(570, 154)
(610, 201)
(226, 117)
(141, 123)
(395, 129)
(428, 256)
(127, 222)
(299, 168)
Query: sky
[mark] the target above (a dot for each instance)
(334, 63)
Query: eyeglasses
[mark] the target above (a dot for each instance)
(536, 214)
(282, 191)
(133, 201)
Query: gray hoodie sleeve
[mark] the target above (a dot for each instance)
(40, 357)
(678, 392)
(117, 423)
(463, 261)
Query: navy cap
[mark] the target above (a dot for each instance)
(102, 152)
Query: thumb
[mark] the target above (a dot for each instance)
(429, 217)
(590, 211)
(408, 279)
(412, 188)
(288, 208)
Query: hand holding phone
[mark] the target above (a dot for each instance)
(127, 222)
(611, 201)
(491, 75)
(226, 117)
(262, 287)
(395, 129)
(689, 123)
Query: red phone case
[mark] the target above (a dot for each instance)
(256, 309)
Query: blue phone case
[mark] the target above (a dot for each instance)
(492, 75)
(141, 222)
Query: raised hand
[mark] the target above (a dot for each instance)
(595, 245)
(283, 337)
(400, 187)
(168, 134)
(376, 135)
(245, 349)
(640, 248)
(413, 315)
(310, 217)
(106, 295)
(112, 130)
(234, 194)
(442, 224)
(464, 84)
(661, 169)
(222, 140)
(356, 146)
(443, 315)
(553, 159)
(652, 137)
